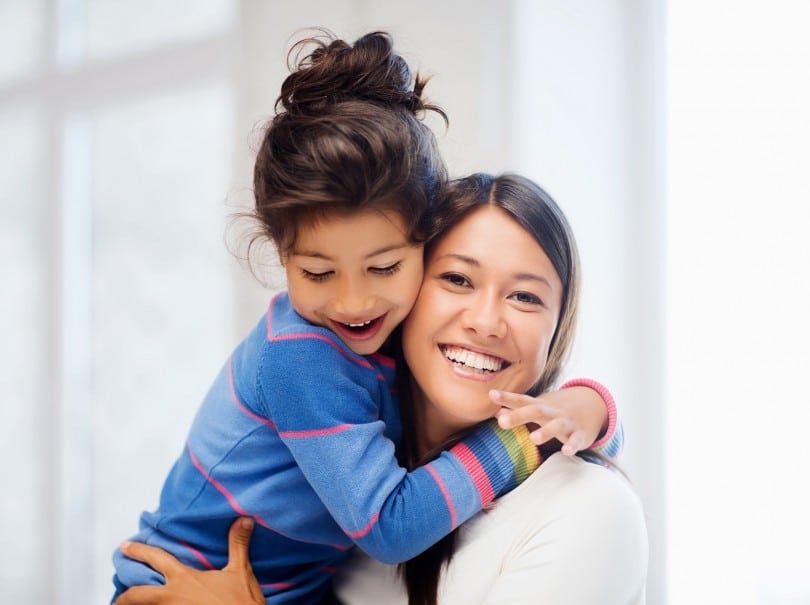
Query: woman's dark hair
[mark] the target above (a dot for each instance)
(348, 135)
(534, 210)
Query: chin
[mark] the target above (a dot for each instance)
(467, 413)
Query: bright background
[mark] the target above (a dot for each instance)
(675, 138)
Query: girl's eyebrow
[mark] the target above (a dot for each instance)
(322, 256)
(522, 276)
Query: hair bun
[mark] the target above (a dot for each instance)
(336, 71)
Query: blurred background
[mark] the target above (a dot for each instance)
(674, 135)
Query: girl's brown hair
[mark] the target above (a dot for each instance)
(348, 135)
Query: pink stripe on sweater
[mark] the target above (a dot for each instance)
(278, 585)
(200, 557)
(235, 505)
(316, 432)
(228, 496)
(285, 585)
(384, 360)
(239, 404)
(476, 471)
(358, 360)
(449, 501)
(366, 529)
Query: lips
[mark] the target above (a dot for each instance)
(359, 331)
(473, 361)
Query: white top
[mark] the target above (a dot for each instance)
(571, 534)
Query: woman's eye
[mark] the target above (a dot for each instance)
(455, 279)
(527, 298)
(311, 275)
(387, 270)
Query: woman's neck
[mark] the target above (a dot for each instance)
(432, 430)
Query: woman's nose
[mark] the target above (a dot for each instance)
(485, 317)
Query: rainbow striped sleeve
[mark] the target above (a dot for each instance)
(497, 460)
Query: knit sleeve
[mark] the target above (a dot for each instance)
(611, 443)
(326, 408)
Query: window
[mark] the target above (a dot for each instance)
(116, 166)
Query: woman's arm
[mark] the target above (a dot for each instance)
(235, 584)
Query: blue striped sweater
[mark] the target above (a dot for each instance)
(298, 432)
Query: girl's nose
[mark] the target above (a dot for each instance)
(353, 299)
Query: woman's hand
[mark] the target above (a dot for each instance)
(235, 584)
(575, 416)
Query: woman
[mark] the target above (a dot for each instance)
(501, 287)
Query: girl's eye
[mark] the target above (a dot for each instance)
(455, 279)
(527, 298)
(315, 276)
(390, 269)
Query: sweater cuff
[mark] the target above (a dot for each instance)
(610, 404)
(497, 460)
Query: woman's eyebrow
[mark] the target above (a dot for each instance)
(522, 276)
(463, 258)
(532, 277)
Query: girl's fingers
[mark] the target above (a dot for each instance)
(513, 401)
(239, 543)
(559, 429)
(535, 413)
(158, 559)
(140, 595)
(575, 443)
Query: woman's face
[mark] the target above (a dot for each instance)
(484, 319)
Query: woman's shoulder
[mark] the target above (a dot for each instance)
(577, 487)
(570, 520)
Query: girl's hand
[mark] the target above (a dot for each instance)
(575, 416)
(235, 584)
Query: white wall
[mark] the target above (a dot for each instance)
(738, 221)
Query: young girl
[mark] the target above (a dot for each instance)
(298, 429)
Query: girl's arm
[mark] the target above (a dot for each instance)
(330, 412)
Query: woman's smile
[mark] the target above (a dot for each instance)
(473, 364)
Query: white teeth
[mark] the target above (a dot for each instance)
(360, 325)
(472, 359)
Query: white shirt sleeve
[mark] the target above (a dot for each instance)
(572, 534)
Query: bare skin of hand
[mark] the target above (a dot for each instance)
(575, 416)
(235, 584)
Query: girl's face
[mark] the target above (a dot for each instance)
(484, 319)
(356, 274)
